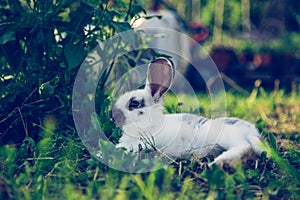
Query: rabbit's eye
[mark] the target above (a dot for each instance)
(134, 104)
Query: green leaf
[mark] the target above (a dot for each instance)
(44, 146)
(95, 121)
(273, 142)
(139, 8)
(9, 35)
(46, 89)
(121, 26)
(74, 55)
(65, 15)
(124, 29)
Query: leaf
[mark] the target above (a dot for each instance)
(136, 9)
(131, 62)
(74, 55)
(273, 142)
(123, 28)
(65, 15)
(44, 146)
(27, 148)
(95, 121)
(9, 35)
(46, 89)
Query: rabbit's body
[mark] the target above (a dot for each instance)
(193, 135)
(140, 115)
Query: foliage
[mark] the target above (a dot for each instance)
(42, 45)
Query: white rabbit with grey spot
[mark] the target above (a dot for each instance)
(140, 115)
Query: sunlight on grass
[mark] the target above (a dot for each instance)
(57, 167)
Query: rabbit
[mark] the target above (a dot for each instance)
(139, 114)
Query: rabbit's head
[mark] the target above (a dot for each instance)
(144, 106)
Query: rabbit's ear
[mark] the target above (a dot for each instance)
(160, 77)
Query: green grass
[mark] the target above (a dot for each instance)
(57, 167)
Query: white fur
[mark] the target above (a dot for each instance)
(184, 134)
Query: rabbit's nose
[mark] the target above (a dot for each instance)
(117, 116)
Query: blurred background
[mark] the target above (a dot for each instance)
(248, 40)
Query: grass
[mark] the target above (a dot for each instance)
(57, 167)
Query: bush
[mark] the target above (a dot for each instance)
(42, 46)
